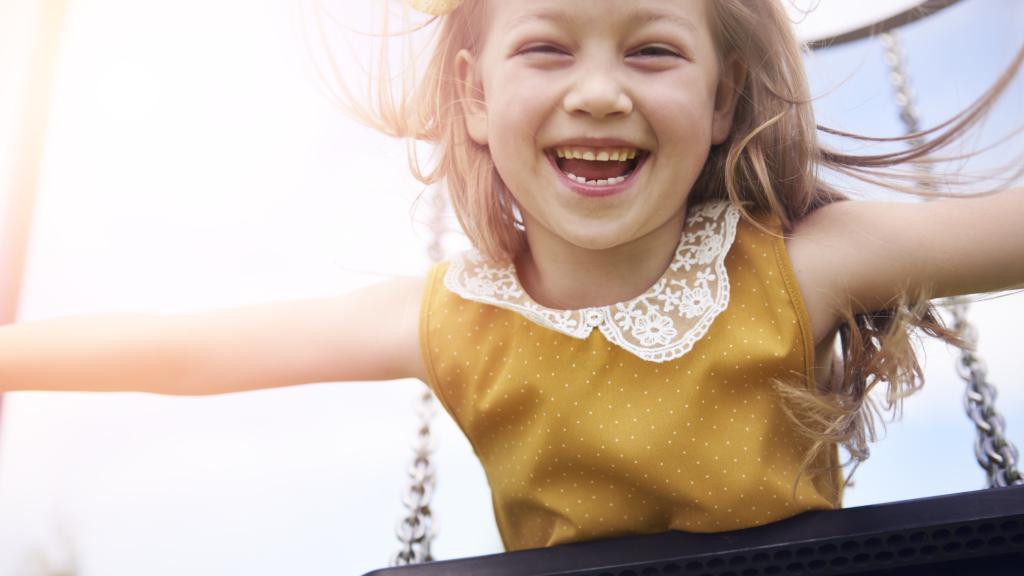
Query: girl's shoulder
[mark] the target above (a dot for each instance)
(863, 256)
(381, 321)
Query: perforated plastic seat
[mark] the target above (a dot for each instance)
(973, 533)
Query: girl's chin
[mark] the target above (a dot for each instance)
(573, 231)
(595, 238)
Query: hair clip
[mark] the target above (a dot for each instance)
(435, 7)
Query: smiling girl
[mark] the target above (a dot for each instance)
(643, 338)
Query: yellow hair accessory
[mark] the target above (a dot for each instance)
(435, 7)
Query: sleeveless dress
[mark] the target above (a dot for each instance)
(645, 416)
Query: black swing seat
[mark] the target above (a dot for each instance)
(972, 533)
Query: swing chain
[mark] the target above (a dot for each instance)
(993, 451)
(898, 79)
(997, 455)
(416, 530)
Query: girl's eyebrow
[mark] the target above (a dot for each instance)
(642, 17)
(547, 14)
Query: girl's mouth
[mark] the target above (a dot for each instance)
(597, 172)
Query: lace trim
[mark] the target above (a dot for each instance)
(661, 324)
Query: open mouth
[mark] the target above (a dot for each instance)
(597, 166)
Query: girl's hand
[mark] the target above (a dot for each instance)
(865, 254)
(370, 334)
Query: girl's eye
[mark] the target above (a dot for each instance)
(542, 49)
(645, 52)
(656, 51)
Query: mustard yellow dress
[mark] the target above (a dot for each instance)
(644, 416)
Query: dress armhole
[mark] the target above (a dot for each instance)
(427, 304)
(797, 299)
(806, 334)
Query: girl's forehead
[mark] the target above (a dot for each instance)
(689, 16)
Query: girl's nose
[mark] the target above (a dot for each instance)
(597, 95)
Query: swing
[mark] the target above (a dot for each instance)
(980, 532)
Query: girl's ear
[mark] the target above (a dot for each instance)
(730, 84)
(471, 96)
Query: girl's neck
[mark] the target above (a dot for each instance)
(563, 276)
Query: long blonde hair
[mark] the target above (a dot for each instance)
(771, 162)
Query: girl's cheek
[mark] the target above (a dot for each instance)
(681, 119)
(520, 88)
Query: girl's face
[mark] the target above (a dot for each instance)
(598, 76)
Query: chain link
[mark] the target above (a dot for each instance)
(993, 451)
(416, 529)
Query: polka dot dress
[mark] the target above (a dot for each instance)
(582, 440)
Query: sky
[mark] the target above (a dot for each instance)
(192, 164)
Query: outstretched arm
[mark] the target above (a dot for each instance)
(370, 334)
(863, 254)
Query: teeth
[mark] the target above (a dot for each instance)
(600, 155)
(608, 182)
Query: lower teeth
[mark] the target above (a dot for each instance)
(608, 182)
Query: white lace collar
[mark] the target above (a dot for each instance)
(660, 325)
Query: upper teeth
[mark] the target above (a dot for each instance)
(599, 154)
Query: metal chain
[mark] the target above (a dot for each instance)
(898, 79)
(993, 451)
(416, 529)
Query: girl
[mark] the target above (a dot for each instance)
(643, 339)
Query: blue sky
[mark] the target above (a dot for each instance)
(951, 58)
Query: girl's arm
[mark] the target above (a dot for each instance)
(865, 254)
(370, 334)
